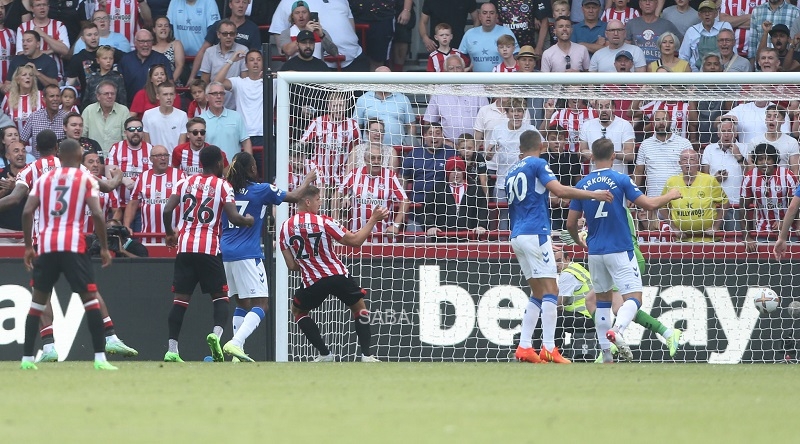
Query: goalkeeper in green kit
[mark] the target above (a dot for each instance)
(576, 295)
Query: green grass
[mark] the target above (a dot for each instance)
(398, 403)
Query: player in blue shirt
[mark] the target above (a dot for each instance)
(528, 186)
(611, 256)
(242, 254)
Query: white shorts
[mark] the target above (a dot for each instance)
(615, 268)
(535, 255)
(247, 278)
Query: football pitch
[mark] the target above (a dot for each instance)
(151, 402)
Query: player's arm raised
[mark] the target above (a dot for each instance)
(566, 192)
(294, 195)
(112, 183)
(27, 229)
(654, 203)
(356, 239)
(788, 221)
(235, 218)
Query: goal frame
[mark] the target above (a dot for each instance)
(368, 81)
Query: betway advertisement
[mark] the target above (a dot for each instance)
(455, 310)
(431, 310)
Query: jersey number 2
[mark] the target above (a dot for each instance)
(600, 213)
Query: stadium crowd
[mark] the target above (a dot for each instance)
(146, 85)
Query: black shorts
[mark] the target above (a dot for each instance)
(379, 38)
(341, 287)
(191, 268)
(402, 33)
(77, 268)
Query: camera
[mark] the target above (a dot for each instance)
(116, 234)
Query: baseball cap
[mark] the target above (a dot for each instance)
(707, 4)
(586, 2)
(304, 35)
(780, 27)
(299, 3)
(624, 53)
(526, 51)
(455, 163)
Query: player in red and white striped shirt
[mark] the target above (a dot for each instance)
(736, 8)
(307, 244)
(620, 11)
(47, 143)
(132, 156)
(60, 197)
(570, 118)
(369, 187)
(333, 136)
(151, 192)
(767, 188)
(678, 114)
(7, 47)
(54, 38)
(123, 16)
(200, 201)
(186, 156)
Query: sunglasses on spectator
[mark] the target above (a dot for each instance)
(227, 34)
(159, 155)
(196, 132)
(134, 129)
(217, 93)
(568, 59)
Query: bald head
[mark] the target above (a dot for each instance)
(382, 69)
(70, 153)
(159, 158)
(689, 162)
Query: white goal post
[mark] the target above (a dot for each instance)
(462, 300)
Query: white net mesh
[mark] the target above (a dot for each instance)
(444, 284)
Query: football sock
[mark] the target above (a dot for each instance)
(310, 329)
(108, 326)
(238, 317)
(602, 323)
(112, 338)
(32, 328)
(652, 324)
(529, 320)
(626, 313)
(549, 320)
(47, 335)
(364, 332)
(220, 314)
(173, 346)
(249, 324)
(99, 357)
(175, 319)
(95, 321)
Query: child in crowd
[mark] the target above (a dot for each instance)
(69, 99)
(475, 160)
(619, 11)
(443, 34)
(105, 70)
(505, 46)
(199, 104)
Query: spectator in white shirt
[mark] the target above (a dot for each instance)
(165, 125)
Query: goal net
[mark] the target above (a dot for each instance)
(441, 280)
